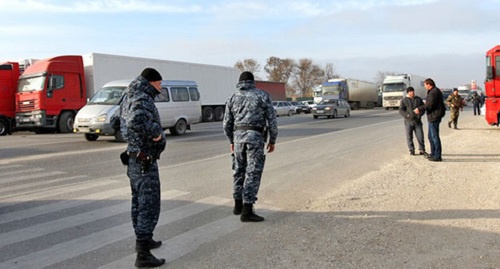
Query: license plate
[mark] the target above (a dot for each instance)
(320, 111)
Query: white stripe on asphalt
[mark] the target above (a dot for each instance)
(188, 242)
(68, 222)
(39, 175)
(91, 242)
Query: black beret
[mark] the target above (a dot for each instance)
(151, 74)
(246, 76)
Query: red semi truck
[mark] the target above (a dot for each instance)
(9, 74)
(492, 86)
(49, 94)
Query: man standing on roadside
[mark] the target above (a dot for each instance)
(413, 122)
(435, 109)
(146, 140)
(456, 104)
(476, 102)
(249, 111)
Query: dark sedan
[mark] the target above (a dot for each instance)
(301, 108)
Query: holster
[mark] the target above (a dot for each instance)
(124, 157)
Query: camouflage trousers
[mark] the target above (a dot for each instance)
(146, 198)
(454, 113)
(248, 165)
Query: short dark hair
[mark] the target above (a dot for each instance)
(410, 89)
(430, 82)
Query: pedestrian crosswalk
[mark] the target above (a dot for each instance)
(53, 219)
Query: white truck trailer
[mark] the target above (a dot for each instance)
(358, 93)
(394, 89)
(216, 83)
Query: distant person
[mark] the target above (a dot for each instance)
(456, 104)
(248, 111)
(140, 123)
(435, 109)
(476, 102)
(413, 122)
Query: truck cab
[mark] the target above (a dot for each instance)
(9, 74)
(491, 84)
(49, 94)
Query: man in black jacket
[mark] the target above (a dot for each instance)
(413, 122)
(435, 109)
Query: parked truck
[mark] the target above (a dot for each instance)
(358, 93)
(9, 74)
(492, 86)
(51, 91)
(394, 89)
(464, 91)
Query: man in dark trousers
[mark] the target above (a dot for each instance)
(141, 126)
(413, 122)
(435, 109)
(249, 111)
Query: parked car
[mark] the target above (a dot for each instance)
(332, 108)
(283, 108)
(309, 103)
(301, 108)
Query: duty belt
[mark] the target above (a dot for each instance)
(247, 128)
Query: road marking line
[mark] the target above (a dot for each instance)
(71, 221)
(73, 248)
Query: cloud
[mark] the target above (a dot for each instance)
(96, 6)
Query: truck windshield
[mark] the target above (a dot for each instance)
(107, 96)
(31, 84)
(394, 87)
(332, 89)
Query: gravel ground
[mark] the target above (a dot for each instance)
(411, 213)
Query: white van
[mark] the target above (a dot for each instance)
(178, 104)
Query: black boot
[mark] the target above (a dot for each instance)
(147, 244)
(238, 206)
(247, 215)
(144, 256)
(146, 260)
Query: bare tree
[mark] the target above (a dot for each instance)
(248, 65)
(380, 76)
(330, 72)
(306, 76)
(279, 70)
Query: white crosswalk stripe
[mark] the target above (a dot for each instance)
(44, 226)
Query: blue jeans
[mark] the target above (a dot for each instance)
(434, 139)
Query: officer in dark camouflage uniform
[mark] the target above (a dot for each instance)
(456, 103)
(141, 128)
(248, 111)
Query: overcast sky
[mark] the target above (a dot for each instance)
(442, 39)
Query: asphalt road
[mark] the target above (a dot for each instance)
(64, 201)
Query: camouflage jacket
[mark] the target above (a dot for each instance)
(249, 106)
(454, 101)
(140, 118)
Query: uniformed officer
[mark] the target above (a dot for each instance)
(456, 103)
(146, 140)
(248, 118)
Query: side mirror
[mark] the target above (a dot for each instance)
(489, 72)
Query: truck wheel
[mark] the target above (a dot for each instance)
(66, 122)
(179, 128)
(4, 127)
(91, 137)
(119, 137)
(219, 113)
(208, 114)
